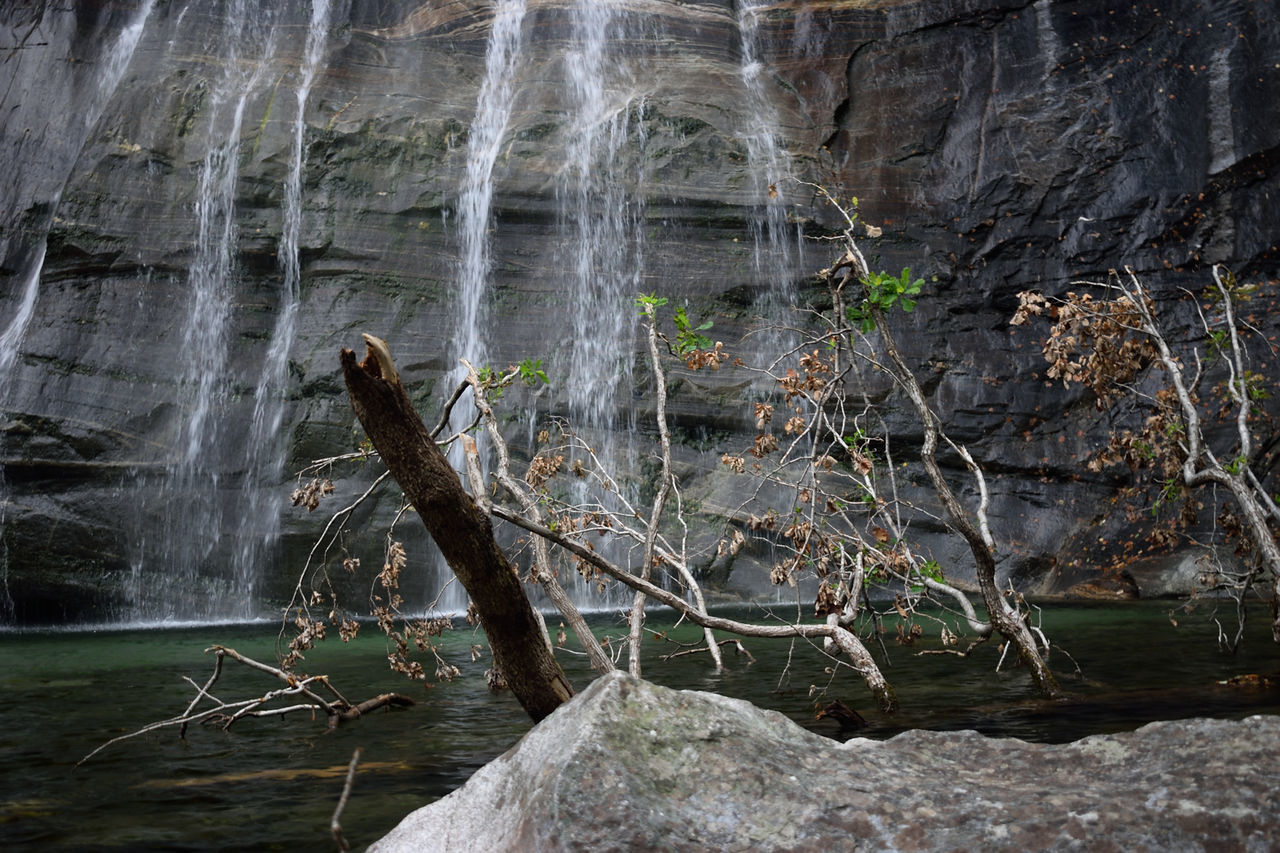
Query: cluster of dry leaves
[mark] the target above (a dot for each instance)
(1096, 342)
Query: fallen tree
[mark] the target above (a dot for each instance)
(447, 510)
(460, 529)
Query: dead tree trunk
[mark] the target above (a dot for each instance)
(462, 532)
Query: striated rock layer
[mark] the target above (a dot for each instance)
(628, 765)
(1001, 145)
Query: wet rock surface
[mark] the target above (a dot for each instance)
(1000, 145)
(628, 765)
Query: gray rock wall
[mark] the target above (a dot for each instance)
(1001, 145)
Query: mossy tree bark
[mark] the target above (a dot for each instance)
(462, 532)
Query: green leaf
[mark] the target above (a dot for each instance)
(531, 372)
(645, 302)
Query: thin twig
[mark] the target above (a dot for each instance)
(202, 691)
(335, 825)
(448, 408)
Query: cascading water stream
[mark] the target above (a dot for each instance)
(117, 60)
(190, 580)
(1047, 35)
(776, 242)
(475, 218)
(1222, 138)
(599, 210)
(10, 341)
(599, 214)
(262, 497)
(475, 203)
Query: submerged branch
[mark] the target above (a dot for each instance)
(227, 713)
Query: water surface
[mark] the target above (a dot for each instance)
(272, 783)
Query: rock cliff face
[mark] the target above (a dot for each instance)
(152, 335)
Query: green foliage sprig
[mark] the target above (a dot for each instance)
(881, 291)
(531, 372)
(689, 338)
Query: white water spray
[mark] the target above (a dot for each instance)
(262, 497)
(601, 215)
(10, 342)
(475, 204)
(1222, 135)
(1047, 35)
(475, 219)
(776, 242)
(192, 577)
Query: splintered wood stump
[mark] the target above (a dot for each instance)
(462, 532)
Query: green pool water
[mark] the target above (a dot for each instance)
(271, 784)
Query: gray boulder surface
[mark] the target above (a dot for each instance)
(628, 765)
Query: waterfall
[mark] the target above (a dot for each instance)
(777, 245)
(602, 255)
(262, 496)
(204, 526)
(10, 341)
(475, 217)
(1222, 136)
(475, 203)
(600, 216)
(192, 577)
(117, 59)
(1047, 35)
(776, 242)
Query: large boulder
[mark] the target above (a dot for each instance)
(628, 765)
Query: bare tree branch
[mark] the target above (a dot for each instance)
(335, 824)
(863, 663)
(228, 712)
(542, 571)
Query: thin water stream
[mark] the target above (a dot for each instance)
(475, 221)
(777, 242)
(116, 57)
(196, 506)
(272, 783)
(261, 495)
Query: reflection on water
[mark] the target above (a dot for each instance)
(273, 783)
